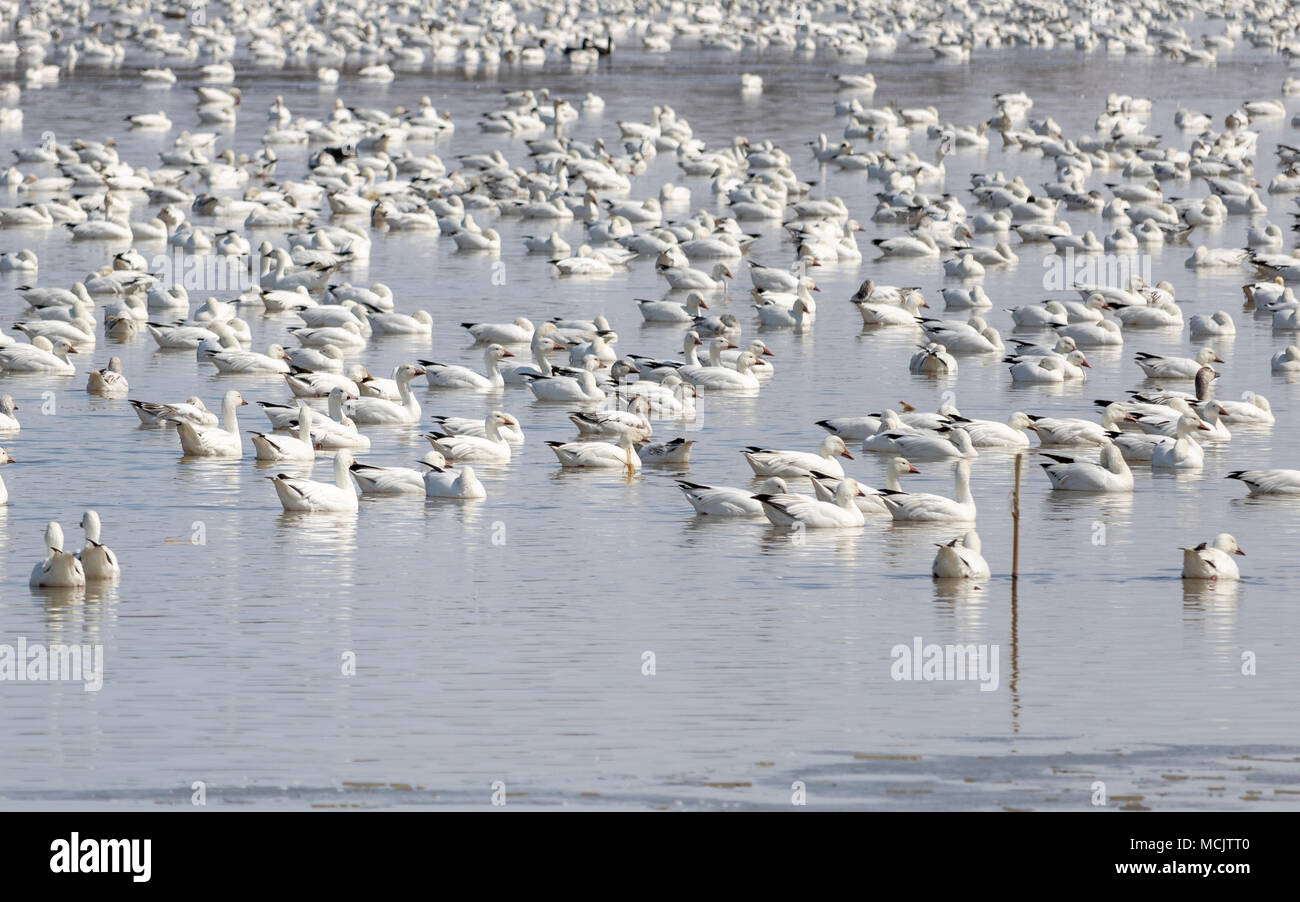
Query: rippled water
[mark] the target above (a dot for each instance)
(521, 661)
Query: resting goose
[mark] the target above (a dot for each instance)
(1070, 475)
(381, 411)
(1158, 367)
(801, 511)
(491, 447)
(213, 441)
(394, 480)
(793, 464)
(108, 382)
(1212, 560)
(1269, 482)
(274, 446)
(1182, 453)
(192, 409)
(97, 560)
(41, 356)
(59, 569)
(924, 507)
(726, 501)
(441, 375)
(298, 495)
(961, 559)
(870, 501)
(458, 483)
(568, 389)
(621, 454)
(944, 445)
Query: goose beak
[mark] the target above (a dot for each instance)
(1240, 551)
(732, 344)
(419, 371)
(511, 421)
(703, 305)
(1218, 359)
(767, 352)
(1203, 427)
(912, 469)
(847, 453)
(1085, 363)
(508, 353)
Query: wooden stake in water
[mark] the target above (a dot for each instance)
(1015, 521)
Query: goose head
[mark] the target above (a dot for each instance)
(833, 446)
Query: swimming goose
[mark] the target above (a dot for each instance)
(924, 507)
(1218, 323)
(1072, 431)
(286, 447)
(1286, 360)
(97, 560)
(681, 278)
(886, 314)
(41, 356)
(1158, 367)
(1070, 475)
(1269, 482)
(563, 388)
(672, 312)
(59, 569)
(792, 464)
(519, 332)
(932, 359)
(1050, 369)
(945, 445)
(995, 434)
(871, 501)
(961, 559)
(109, 382)
(213, 441)
(726, 501)
(787, 510)
(9, 424)
(1182, 453)
(381, 411)
(192, 409)
(240, 361)
(491, 447)
(418, 323)
(447, 376)
(458, 483)
(372, 480)
(1212, 560)
(621, 454)
(298, 495)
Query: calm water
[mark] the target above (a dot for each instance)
(521, 661)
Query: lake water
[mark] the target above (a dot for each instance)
(504, 641)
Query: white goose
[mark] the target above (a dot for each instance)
(925, 507)
(1158, 367)
(871, 501)
(961, 559)
(459, 483)
(97, 560)
(568, 389)
(373, 480)
(109, 382)
(213, 441)
(786, 510)
(152, 413)
(621, 454)
(440, 375)
(1182, 453)
(492, 447)
(41, 356)
(1070, 475)
(726, 501)
(381, 411)
(59, 569)
(1269, 482)
(1213, 560)
(285, 447)
(793, 464)
(298, 495)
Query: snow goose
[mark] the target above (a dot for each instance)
(568, 386)
(441, 375)
(519, 332)
(458, 483)
(372, 480)
(491, 448)
(1158, 367)
(974, 337)
(961, 559)
(59, 569)
(886, 314)
(612, 422)
(932, 359)
(97, 559)
(1073, 431)
(213, 441)
(870, 501)
(1182, 453)
(41, 356)
(381, 411)
(672, 312)
(1049, 313)
(993, 434)
(1213, 559)
(684, 278)
(726, 379)
(1218, 323)
(1286, 360)
(286, 447)
(418, 323)
(241, 362)
(621, 454)
(192, 409)
(298, 495)
(793, 464)
(1049, 369)
(1070, 475)
(9, 424)
(726, 501)
(925, 507)
(801, 511)
(1269, 482)
(108, 382)
(860, 428)
(1093, 334)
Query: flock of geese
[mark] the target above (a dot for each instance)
(1151, 185)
